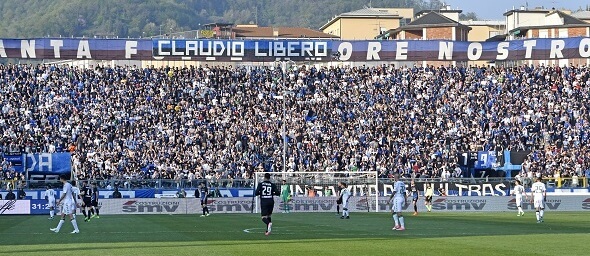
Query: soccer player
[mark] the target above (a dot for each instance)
(344, 195)
(539, 197)
(428, 197)
(203, 194)
(50, 196)
(285, 196)
(339, 196)
(518, 192)
(415, 196)
(86, 200)
(94, 201)
(68, 205)
(266, 190)
(400, 197)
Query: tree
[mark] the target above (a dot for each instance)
(149, 29)
(468, 16)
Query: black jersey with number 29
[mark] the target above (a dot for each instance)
(266, 190)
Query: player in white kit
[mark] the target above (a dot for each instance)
(539, 196)
(68, 205)
(50, 196)
(345, 193)
(399, 199)
(518, 192)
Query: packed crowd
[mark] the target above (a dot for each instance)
(226, 122)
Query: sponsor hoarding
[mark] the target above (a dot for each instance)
(15, 207)
(303, 204)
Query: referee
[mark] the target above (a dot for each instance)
(266, 190)
(339, 197)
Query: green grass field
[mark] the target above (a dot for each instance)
(433, 233)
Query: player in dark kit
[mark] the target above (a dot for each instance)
(266, 190)
(415, 196)
(86, 200)
(94, 201)
(203, 193)
(339, 196)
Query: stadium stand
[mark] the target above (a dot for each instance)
(226, 122)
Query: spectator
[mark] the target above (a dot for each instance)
(21, 194)
(181, 193)
(10, 195)
(310, 191)
(116, 193)
(130, 123)
(575, 180)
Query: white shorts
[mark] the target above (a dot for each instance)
(519, 201)
(68, 208)
(539, 203)
(344, 203)
(398, 204)
(51, 203)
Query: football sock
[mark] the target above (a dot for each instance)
(61, 222)
(520, 210)
(75, 224)
(401, 222)
(396, 220)
(97, 213)
(51, 213)
(537, 213)
(203, 210)
(338, 209)
(415, 208)
(265, 220)
(84, 212)
(269, 219)
(91, 211)
(207, 209)
(541, 213)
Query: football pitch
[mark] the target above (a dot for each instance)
(436, 233)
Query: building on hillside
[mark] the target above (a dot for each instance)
(523, 24)
(446, 11)
(249, 31)
(364, 24)
(482, 30)
(429, 26)
(582, 15)
(255, 32)
(524, 17)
